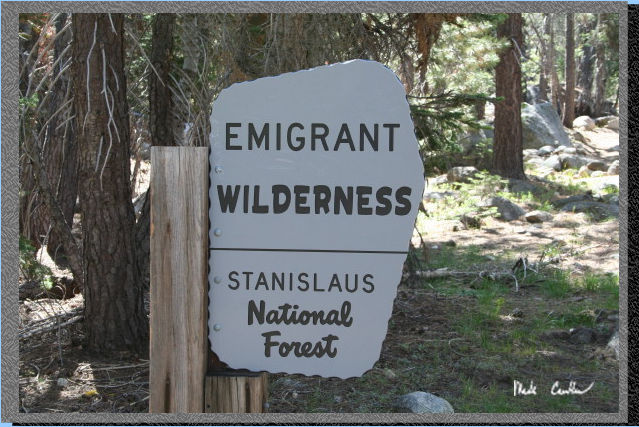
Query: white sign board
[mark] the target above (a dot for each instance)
(316, 180)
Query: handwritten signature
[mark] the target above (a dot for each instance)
(519, 389)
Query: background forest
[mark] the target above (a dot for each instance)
(517, 121)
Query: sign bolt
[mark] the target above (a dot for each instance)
(218, 169)
(217, 279)
(217, 327)
(217, 232)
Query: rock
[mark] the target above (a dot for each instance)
(598, 208)
(584, 172)
(542, 126)
(606, 187)
(472, 139)
(573, 161)
(530, 153)
(545, 150)
(535, 161)
(584, 122)
(337, 399)
(508, 211)
(538, 216)
(602, 121)
(419, 402)
(582, 335)
(62, 382)
(613, 124)
(613, 344)
(613, 169)
(517, 312)
(471, 220)
(565, 150)
(559, 203)
(612, 199)
(439, 195)
(578, 136)
(461, 173)
(597, 174)
(553, 162)
(521, 186)
(597, 165)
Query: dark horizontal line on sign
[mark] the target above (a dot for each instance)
(346, 251)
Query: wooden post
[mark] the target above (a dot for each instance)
(179, 283)
(236, 392)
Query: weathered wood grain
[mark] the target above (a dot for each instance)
(234, 392)
(179, 284)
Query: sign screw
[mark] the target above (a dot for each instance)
(217, 327)
(217, 232)
(217, 279)
(218, 169)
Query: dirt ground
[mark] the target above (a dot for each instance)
(56, 374)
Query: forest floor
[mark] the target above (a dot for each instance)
(462, 331)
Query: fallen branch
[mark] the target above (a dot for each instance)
(49, 327)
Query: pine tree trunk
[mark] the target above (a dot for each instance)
(550, 67)
(600, 77)
(569, 105)
(59, 156)
(114, 312)
(161, 122)
(508, 144)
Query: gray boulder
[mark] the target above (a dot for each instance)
(599, 209)
(584, 122)
(538, 216)
(461, 173)
(521, 186)
(603, 121)
(530, 153)
(542, 126)
(565, 150)
(534, 161)
(584, 172)
(573, 161)
(545, 150)
(613, 124)
(613, 169)
(508, 211)
(419, 402)
(578, 136)
(470, 140)
(597, 165)
(553, 162)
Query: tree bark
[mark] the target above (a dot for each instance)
(550, 66)
(508, 144)
(59, 154)
(569, 104)
(160, 95)
(161, 122)
(600, 77)
(113, 298)
(585, 74)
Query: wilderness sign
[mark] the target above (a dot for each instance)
(316, 180)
